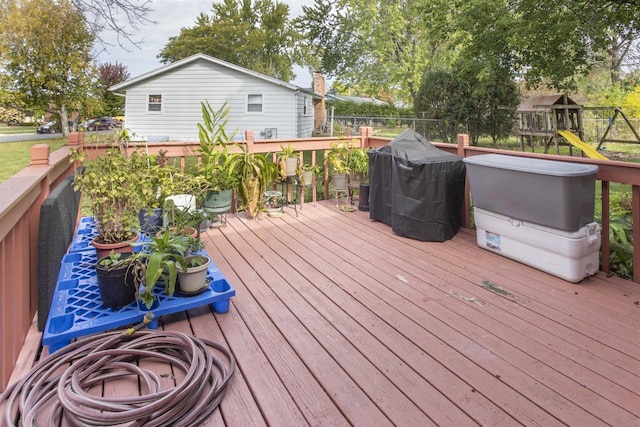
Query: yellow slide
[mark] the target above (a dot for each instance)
(577, 142)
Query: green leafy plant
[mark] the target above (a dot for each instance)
(161, 254)
(110, 183)
(255, 171)
(336, 157)
(179, 219)
(358, 160)
(285, 153)
(307, 167)
(213, 147)
(621, 238)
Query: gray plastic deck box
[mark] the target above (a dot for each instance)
(554, 194)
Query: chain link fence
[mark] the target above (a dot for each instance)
(388, 127)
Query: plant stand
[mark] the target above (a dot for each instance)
(290, 184)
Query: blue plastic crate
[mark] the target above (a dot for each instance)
(87, 231)
(84, 235)
(76, 307)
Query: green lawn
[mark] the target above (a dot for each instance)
(16, 130)
(15, 156)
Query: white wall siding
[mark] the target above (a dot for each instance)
(183, 89)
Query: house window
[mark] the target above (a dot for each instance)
(155, 103)
(305, 110)
(254, 103)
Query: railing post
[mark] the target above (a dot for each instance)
(249, 140)
(463, 142)
(40, 155)
(365, 132)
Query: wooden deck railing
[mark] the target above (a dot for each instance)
(23, 194)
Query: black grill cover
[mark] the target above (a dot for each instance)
(416, 188)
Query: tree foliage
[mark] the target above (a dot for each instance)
(109, 75)
(45, 55)
(380, 51)
(255, 34)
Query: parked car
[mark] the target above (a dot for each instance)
(103, 123)
(49, 127)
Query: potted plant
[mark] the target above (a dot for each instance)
(358, 164)
(118, 275)
(155, 183)
(335, 158)
(306, 172)
(193, 279)
(215, 157)
(255, 172)
(288, 160)
(110, 183)
(182, 221)
(274, 203)
(160, 256)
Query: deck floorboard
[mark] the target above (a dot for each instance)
(338, 321)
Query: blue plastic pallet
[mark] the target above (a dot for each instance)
(76, 307)
(86, 232)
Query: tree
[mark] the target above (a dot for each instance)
(376, 49)
(257, 35)
(111, 74)
(560, 41)
(100, 15)
(45, 53)
(11, 115)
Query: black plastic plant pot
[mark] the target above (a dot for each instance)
(116, 285)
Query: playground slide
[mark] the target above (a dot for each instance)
(577, 142)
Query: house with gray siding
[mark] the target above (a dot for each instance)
(165, 104)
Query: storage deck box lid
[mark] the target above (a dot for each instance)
(555, 194)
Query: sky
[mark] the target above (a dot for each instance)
(171, 16)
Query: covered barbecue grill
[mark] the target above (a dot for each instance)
(416, 188)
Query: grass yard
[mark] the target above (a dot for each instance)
(16, 130)
(15, 156)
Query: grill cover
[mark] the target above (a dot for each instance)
(416, 188)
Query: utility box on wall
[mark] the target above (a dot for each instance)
(538, 212)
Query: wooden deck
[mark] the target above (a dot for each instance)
(337, 321)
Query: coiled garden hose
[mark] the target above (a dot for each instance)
(50, 393)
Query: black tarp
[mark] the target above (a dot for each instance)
(416, 188)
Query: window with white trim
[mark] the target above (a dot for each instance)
(305, 110)
(254, 103)
(154, 103)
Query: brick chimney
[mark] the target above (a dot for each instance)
(319, 106)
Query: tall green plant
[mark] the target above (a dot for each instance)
(213, 147)
(255, 171)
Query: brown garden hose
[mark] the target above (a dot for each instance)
(48, 394)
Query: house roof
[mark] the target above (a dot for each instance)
(202, 57)
(536, 102)
(356, 99)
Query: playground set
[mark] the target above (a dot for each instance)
(559, 120)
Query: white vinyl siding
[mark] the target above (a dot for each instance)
(184, 88)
